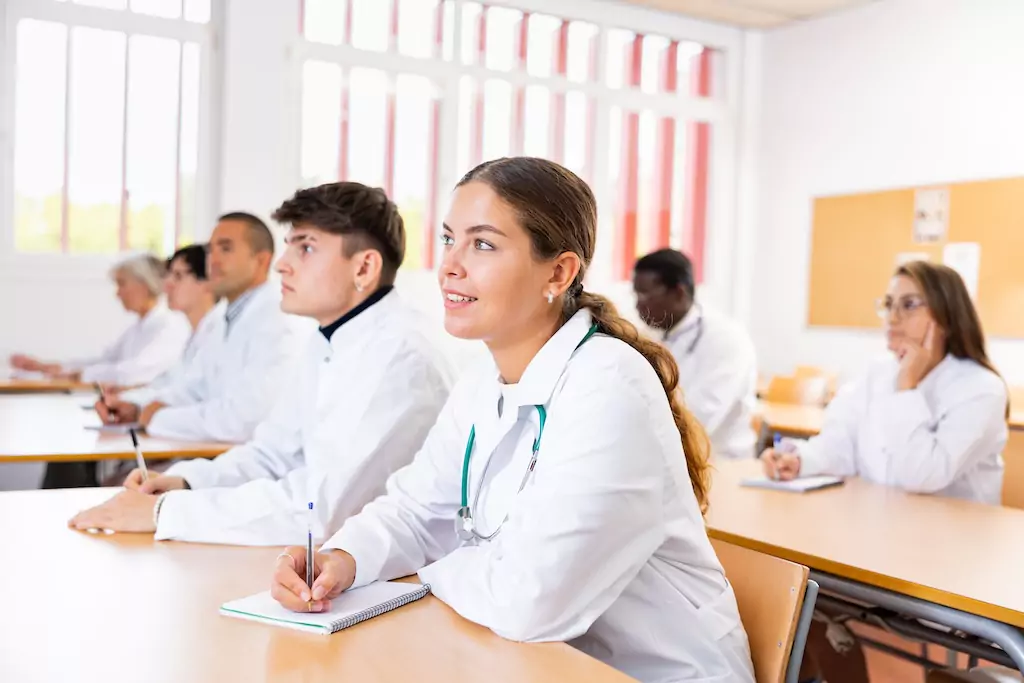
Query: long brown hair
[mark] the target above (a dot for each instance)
(952, 309)
(559, 212)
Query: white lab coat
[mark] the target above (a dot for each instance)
(718, 376)
(151, 346)
(604, 548)
(209, 330)
(944, 437)
(234, 381)
(358, 410)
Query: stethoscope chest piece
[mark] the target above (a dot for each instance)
(464, 524)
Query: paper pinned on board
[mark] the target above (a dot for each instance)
(964, 258)
(931, 215)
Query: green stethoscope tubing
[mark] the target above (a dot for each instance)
(542, 414)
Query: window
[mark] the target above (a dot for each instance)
(107, 117)
(408, 95)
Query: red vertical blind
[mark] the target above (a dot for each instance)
(697, 216)
(656, 161)
(629, 177)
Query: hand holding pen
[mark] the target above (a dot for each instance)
(782, 461)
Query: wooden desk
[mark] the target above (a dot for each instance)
(121, 608)
(953, 553)
(790, 419)
(40, 386)
(52, 429)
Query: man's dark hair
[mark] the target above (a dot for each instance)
(259, 236)
(363, 215)
(673, 268)
(194, 257)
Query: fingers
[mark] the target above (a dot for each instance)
(134, 480)
(287, 587)
(160, 484)
(788, 466)
(768, 461)
(93, 518)
(337, 570)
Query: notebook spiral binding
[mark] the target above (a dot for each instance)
(372, 612)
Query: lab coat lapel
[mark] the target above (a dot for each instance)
(535, 388)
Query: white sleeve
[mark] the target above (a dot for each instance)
(377, 432)
(926, 450)
(159, 351)
(580, 533)
(412, 524)
(274, 450)
(834, 449)
(244, 400)
(727, 378)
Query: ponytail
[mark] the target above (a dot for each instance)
(696, 447)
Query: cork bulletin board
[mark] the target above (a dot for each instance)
(976, 227)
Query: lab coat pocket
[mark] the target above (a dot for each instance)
(719, 616)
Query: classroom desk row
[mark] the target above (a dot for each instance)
(82, 607)
(16, 385)
(122, 604)
(53, 428)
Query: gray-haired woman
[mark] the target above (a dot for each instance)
(149, 347)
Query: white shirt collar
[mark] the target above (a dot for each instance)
(542, 374)
(685, 326)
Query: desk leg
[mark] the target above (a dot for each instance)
(1008, 638)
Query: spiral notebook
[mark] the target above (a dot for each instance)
(348, 609)
(798, 485)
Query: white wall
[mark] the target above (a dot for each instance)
(898, 93)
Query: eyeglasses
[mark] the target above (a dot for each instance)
(178, 276)
(899, 308)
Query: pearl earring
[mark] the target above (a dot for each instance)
(551, 298)
(359, 287)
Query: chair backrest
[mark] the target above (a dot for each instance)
(808, 371)
(1013, 474)
(798, 390)
(769, 593)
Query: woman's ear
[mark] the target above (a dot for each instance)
(566, 266)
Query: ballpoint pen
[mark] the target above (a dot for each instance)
(139, 460)
(309, 554)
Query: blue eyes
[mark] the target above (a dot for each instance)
(447, 240)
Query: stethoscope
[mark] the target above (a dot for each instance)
(465, 527)
(698, 326)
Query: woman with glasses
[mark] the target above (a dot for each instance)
(930, 419)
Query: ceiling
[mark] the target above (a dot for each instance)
(752, 13)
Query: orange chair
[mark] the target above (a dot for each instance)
(806, 371)
(776, 600)
(805, 391)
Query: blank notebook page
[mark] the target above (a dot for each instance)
(348, 609)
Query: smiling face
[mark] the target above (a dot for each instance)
(317, 279)
(494, 288)
(907, 316)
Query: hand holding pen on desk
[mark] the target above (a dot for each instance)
(116, 411)
(327, 575)
(127, 511)
(782, 461)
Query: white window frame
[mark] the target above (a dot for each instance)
(130, 23)
(722, 111)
